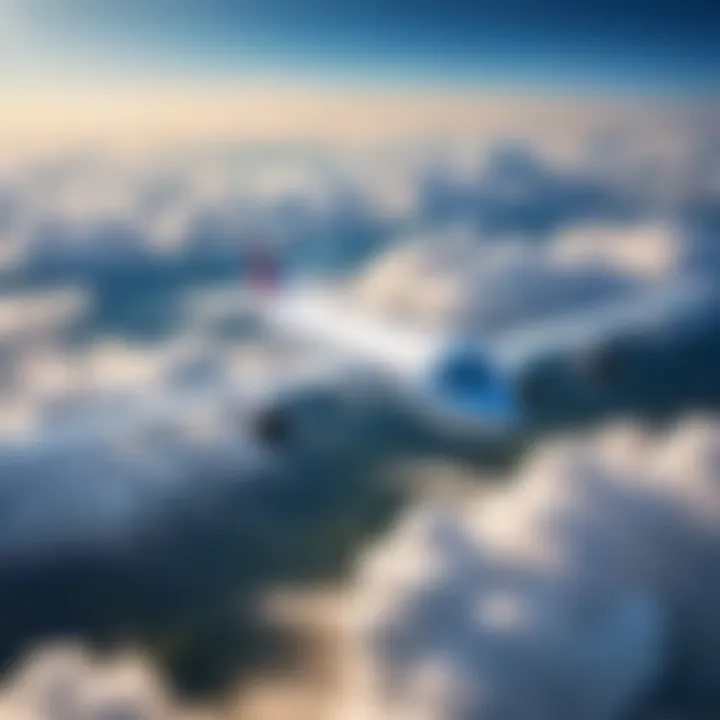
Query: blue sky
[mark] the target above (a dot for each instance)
(635, 46)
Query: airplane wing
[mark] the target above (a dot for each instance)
(648, 311)
(325, 321)
(621, 355)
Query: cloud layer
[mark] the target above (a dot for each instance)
(125, 399)
(580, 590)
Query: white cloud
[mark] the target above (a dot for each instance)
(324, 203)
(61, 681)
(652, 250)
(567, 594)
(452, 278)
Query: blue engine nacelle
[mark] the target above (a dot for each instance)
(468, 385)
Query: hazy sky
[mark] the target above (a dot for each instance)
(638, 46)
(135, 70)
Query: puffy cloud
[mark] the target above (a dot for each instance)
(652, 250)
(577, 591)
(337, 205)
(452, 278)
(120, 431)
(86, 212)
(519, 189)
(63, 681)
(31, 328)
(137, 497)
(39, 315)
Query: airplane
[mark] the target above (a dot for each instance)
(648, 354)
